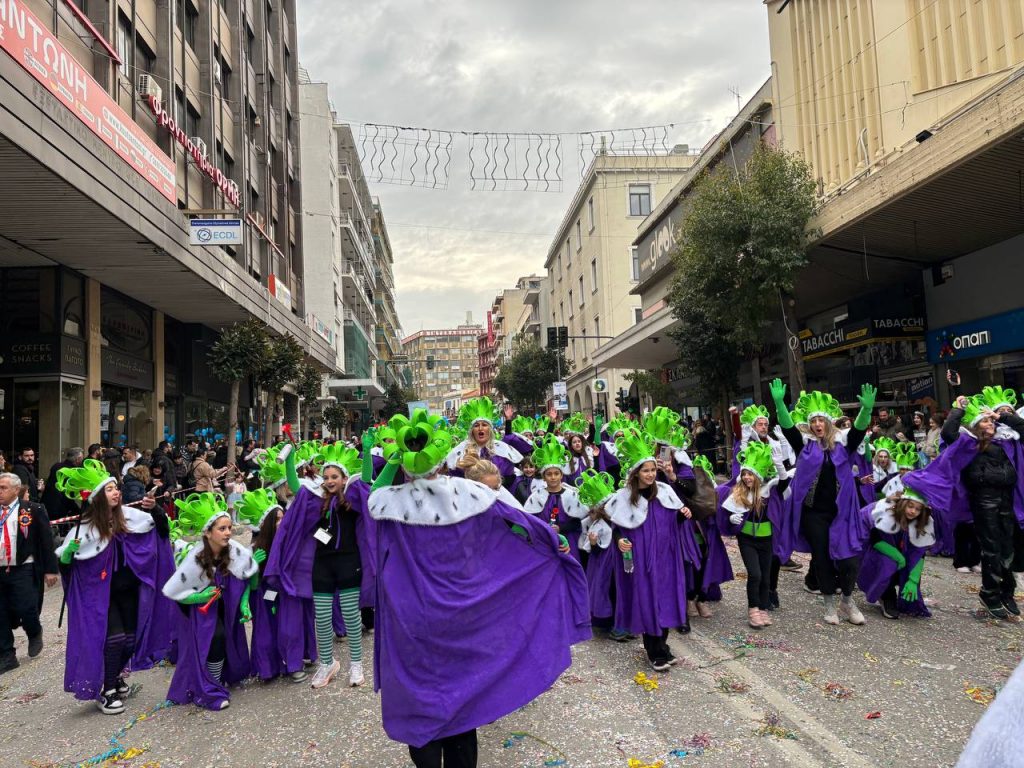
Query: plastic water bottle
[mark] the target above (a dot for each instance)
(627, 559)
(284, 453)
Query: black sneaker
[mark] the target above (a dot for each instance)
(1008, 603)
(110, 703)
(669, 656)
(35, 645)
(685, 629)
(660, 665)
(8, 662)
(122, 688)
(811, 591)
(773, 600)
(620, 636)
(888, 608)
(791, 566)
(997, 611)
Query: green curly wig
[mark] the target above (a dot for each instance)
(254, 506)
(522, 425)
(550, 453)
(541, 424)
(634, 449)
(476, 410)
(595, 487)
(575, 425)
(757, 457)
(85, 481)
(819, 404)
(997, 397)
(341, 456)
(198, 511)
(752, 413)
(661, 425)
(272, 474)
(905, 455)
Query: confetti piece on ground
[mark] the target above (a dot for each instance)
(25, 698)
(980, 694)
(870, 657)
(838, 691)
(517, 736)
(645, 682)
(771, 725)
(807, 674)
(119, 751)
(753, 641)
(942, 667)
(728, 684)
(635, 763)
(699, 741)
(872, 715)
(680, 753)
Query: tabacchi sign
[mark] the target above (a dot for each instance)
(215, 174)
(34, 47)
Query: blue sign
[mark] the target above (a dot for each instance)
(215, 232)
(977, 338)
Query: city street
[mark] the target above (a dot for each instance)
(808, 688)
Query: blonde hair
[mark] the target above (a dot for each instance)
(476, 468)
(747, 498)
(140, 472)
(831, 433)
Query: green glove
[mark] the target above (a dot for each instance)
(866, 398)
(778, 392)
(911, 590)
(366, 472)
(244, 607)
(369, 439)
(386, 475)
(598, 423)
(199, 598)
(259, 555)
(519, 531)
(892, 553)
(69, 551)
(290, 473)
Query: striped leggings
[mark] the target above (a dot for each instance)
(323, 605)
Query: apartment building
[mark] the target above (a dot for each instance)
(388, 330)
(454, 366)
(118, 123)
(592, 264)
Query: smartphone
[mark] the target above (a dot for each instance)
(665, 453)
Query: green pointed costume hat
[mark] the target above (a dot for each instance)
(541, 424)
(84, 482)
(660, 424)
(308, 452)
(522, 425)
(422, 443)
(997, 397)
(272, 473)
(550, 453)
(883, 443)
(819, 404)
(757, 457)
(634, 449)
(198, 511)
(341, 456)
(595, 487)
(254, 506)
(477, 410)
(617, 425)
(905, 455)
(575, 425)
(976, 410)
(702, 461)
(752, 413)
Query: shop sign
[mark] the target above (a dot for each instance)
(215, 232)
(30, 354)
(280, 291)
(215, 174)
(125, 326)
(34, 47)
(977, 338)
(321, 329)
(128, 371)
(655, 249)
(920, 388)
(858, 333)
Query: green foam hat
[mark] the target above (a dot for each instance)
(341, 456)
(198, 511)
(550, 453)
(819, 404)
(419, 461)
(757, 457)
(883, 443)
(618, 424)
(522, 425)
(595, 487)
(798, 414)
(680, 437)
(85, 481)
(976, 410)
(702, 461)
(997, 397)
(660, 424)
(272, 473)
(575, 425)
(458, 433)
(634, 449)
(752, 413)
(254, 506)
(541, 424)
(905, 455)
(476, 410)
(308, 452)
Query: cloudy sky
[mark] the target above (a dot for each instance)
(518, 66)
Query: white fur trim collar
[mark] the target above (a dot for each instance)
(733, 506)
(441, 501)
(570, 502)
(189, 578)
(498, 448)
(885, 521)
(601, 528)
(626, 515)
(895, 485)
(138, 521)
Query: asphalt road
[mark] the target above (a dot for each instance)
(737, 698)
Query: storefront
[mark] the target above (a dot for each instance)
(987, 351)
(127, 406)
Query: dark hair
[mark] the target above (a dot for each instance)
(107, 522)
(938, 418)
(210, 562)
(899, 513)
(264, 538)
(634, 484)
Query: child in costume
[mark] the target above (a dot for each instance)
(113, 565)
(906, 459)
(580, 457)
(478, 416)
(556, 503)
(527, 481)
(883, 468)
(607, 459)
(519, 434)
(212, 585)
(469, 588)
(650, 575)
(595, 489)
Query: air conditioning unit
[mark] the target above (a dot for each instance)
(148, 86)
(199, 144)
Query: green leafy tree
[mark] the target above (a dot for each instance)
(396, 400)
(743, 240)
(308, 385)
(335, 418)
(237, 355)
(525, 377)
(649, 383)
(283, 357)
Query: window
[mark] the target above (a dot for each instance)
(124, 40)
(570, 301)
(634, 264)
(561, 313)
(559, 266)
(639, 199)
(567, 250)
(581, 290)
(597, 329)
(583, 333)
(579, 236)
(593, 274)
(638, 315)
(590, 213)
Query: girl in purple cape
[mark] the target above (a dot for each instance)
(595, 489)
(527, 482)
(469, 587)
(825, 508)
(113, 567)
(556, 503)
(479, 416)
(650, 575)
(212, 586)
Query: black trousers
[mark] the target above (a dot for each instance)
(829, 574)
(774, 580)
(657, 646)
(457, 751)
(756, 552)
(694, 589)
(994, 522)
(218, 643)
(18, 600)
(966, 551)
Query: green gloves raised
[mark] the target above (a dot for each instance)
(69, 551)
(778, 392)
(386, 475)
(199, 598)
(369, 439)
(912, 589)
(892, 553)
(289, 468)
(244, 608)
(259, 555)
(866, 398)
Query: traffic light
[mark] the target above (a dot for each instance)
(563, 337)
(430, 362)
(622, 400)
(552, 337)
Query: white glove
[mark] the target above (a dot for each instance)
(736, 518)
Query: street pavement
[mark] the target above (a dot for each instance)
(738, 697)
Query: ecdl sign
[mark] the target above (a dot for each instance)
(977, 338)
(215, 232)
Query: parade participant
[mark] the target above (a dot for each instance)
(556, 503)
(825, 516)
(527, 481)
(883, 468)
(755, 426)
(518, 432)
(478, 416)
(470, 589)
(113, 565)
(574, 430)
(607, 459)
(901, 533)
(541, 428)
(276, 649)
(212, 585)
(595, 489)
(981, 463)
(906, 459)
(756, 518)
(650, 576)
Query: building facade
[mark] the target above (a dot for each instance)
(591, 265)
(109, 147)
(454, 363)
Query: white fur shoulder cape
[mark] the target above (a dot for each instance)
(626, 515)
(570, 502)
(441, 501)
(138, 520)
(189, 578)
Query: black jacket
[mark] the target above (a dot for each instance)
(132, 490)
(28, 478)
(57, 504)
(990, 477)
(35, 538)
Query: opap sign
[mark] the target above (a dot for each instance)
(215, 232)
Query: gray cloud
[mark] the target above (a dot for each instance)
(528, 65)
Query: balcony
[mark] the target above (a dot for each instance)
(532, 296)
(355, 289)
(356, 244)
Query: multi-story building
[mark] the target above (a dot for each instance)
(454, 366)
(532, 318)
(109, 147)
(592, 265)
(390, 356)
(515, 315)
(487, 353)
(913, 125)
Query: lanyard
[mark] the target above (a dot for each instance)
(7, 534)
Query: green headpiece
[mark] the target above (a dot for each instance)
(752, 413)
(522, 425)
(905, 455)
(85, 481)
(997, 397)
(702, 461)
(174, 530)
(550, 453)
(199, 511)
(679, 438)
(595, 487)
(884, 443)
(308, 452)
(757, 457)
(341, 456)
(383, 435)
(798, 414)
(272, 474)
(476, 410)
(661, 424)
(254, 506)
(541, 424)
(458, 433)
(419, 461)
(619, 424)
(634, 448)
(819, 404)
(575, 425)
(975, 410)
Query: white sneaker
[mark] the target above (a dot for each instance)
(976, 568)
(963, 569)
(355, 673)
(225, 704)
(848, 610)
(325, 673)
(831, 617)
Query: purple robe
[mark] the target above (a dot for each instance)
(192, 683)
(518, 442)
(554, 514)
(600, 567)
(284, 638)
(88, 589)
(877, 570)
(473, 622)
(607, 461)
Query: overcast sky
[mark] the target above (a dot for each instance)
(518, 66)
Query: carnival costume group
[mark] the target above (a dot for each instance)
(479, 550)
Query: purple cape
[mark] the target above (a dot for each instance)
(518, 442)
(877, 570)
(608, 462)
(568, 526)
(778, 508)
(847, 532)
(281, 641)
(600, 566)
(472, 621)
(88, 590)
(192, 683)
